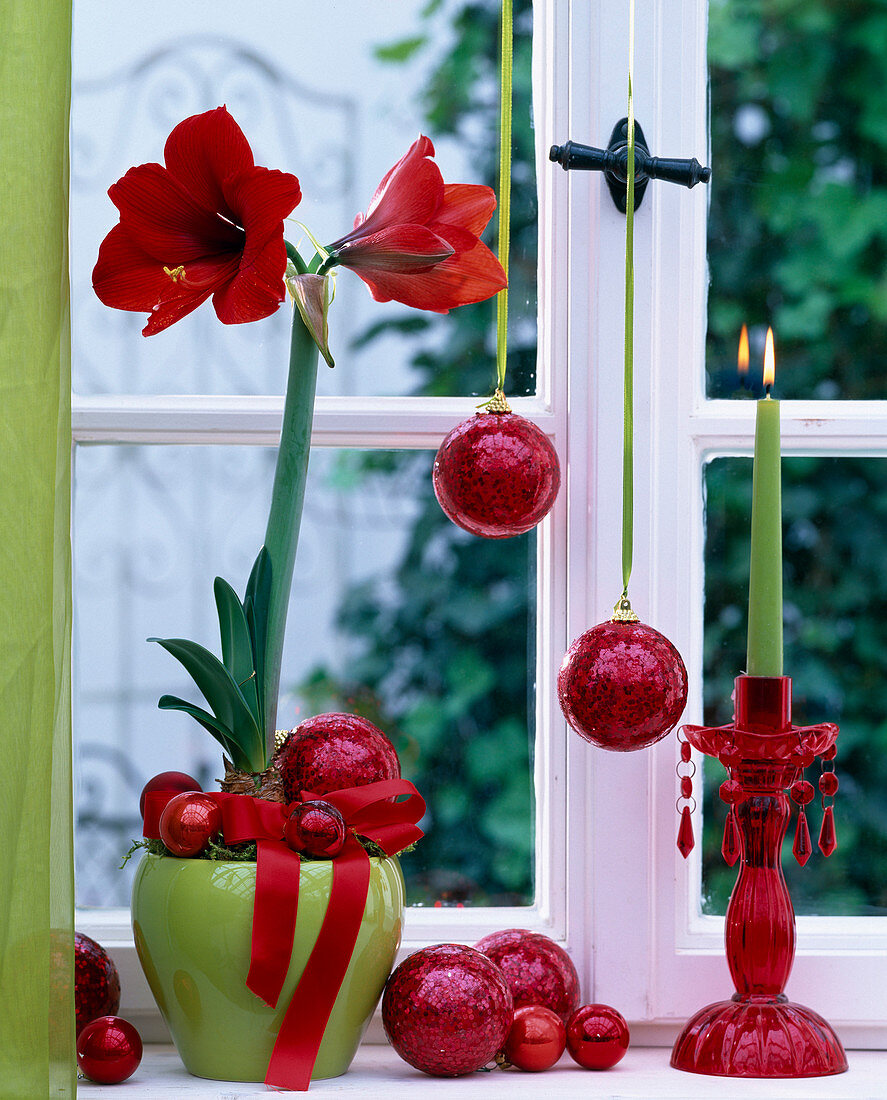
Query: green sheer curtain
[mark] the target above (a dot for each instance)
(36, 859)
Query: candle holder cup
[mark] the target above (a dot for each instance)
(759, 1032)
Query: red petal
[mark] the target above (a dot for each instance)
(399, 248)
(161, 217)
(262, 197)
(410, 193)
(256, 291)
(472, 276)
(202, 151)
(468, 205)
(127, 278)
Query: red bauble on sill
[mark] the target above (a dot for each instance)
(96, 981)
(536, 1040)
(447, 1010)
(597, 1036)
(109, 1050)
(496, 475)
(538, 971)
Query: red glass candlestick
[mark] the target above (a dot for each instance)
(759, 1032)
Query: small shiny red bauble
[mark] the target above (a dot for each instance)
(538, 971)
(96, 981)
(333, 751)
(537, 1038)
(109, 1050)
(597, 1036)
(496, 475)
(622, 686)
(315, 828)
(447, 1010)
(175, 782)
(187, 823)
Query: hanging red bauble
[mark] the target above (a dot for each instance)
(622, 686)
(333, 751)
(96, 981)
(316, 828)
(447, 1010)
(538, 971)
(537, 1038)
(496, 474)
(173, 782)
(109, 1050)
(188, 822)
(597, 1036)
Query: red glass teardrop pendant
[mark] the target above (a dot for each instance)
(828, 841)
(686, 840)
(731, 845)
(803, 846)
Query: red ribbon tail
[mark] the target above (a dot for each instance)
(299, 1039)
(274, 919)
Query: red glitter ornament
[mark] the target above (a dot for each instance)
(622, 686)
(187, 823)
(597, 1036)
(109, 1050)
(315, 828)
(538, 971)
(176, 782)
(496, 475)
(536, 1040)
(447, 1010)
(333, 751)
(96, 981)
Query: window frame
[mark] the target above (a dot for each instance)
(602, 818)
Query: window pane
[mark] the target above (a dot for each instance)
(835, 594)
(798, 219)
(339, 127)
(396, 614)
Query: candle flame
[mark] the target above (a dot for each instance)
(742, 356)
(769, 361)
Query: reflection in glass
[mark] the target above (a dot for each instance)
(835, 616)
(798, 217)
(396, 614)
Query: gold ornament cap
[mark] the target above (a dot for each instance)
(622, 612)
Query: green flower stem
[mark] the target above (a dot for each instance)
(287, 497)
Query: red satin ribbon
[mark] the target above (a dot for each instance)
(369, 811)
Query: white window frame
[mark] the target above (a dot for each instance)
(610, 884)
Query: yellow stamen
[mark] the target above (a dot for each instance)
(175, 273)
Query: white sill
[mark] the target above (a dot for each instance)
(377, 1072)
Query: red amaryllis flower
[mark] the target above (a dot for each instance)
(209, 223)
(418, 242)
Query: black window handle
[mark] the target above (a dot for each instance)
(613, 162)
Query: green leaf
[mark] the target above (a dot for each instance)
(255, 605)
(237, 649)
(220, 690)
(401, 51)
(210, 723)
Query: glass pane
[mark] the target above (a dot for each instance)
(835, 651)
(798, 219)
(396, 614)
(337, 126)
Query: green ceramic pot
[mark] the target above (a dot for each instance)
(192, 921)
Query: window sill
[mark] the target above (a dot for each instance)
(643, 1075)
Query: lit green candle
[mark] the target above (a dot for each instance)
(765, 576)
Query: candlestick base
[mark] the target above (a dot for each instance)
(758, 1036)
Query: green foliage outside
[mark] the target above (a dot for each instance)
(445, 644)
(798, 239)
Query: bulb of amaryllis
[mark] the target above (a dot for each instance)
(208, 223)
(418, 242)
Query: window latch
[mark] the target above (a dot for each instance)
(613, 162)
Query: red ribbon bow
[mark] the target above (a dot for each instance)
(369, 810)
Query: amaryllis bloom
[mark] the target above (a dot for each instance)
(209, 223)
(419, 240)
